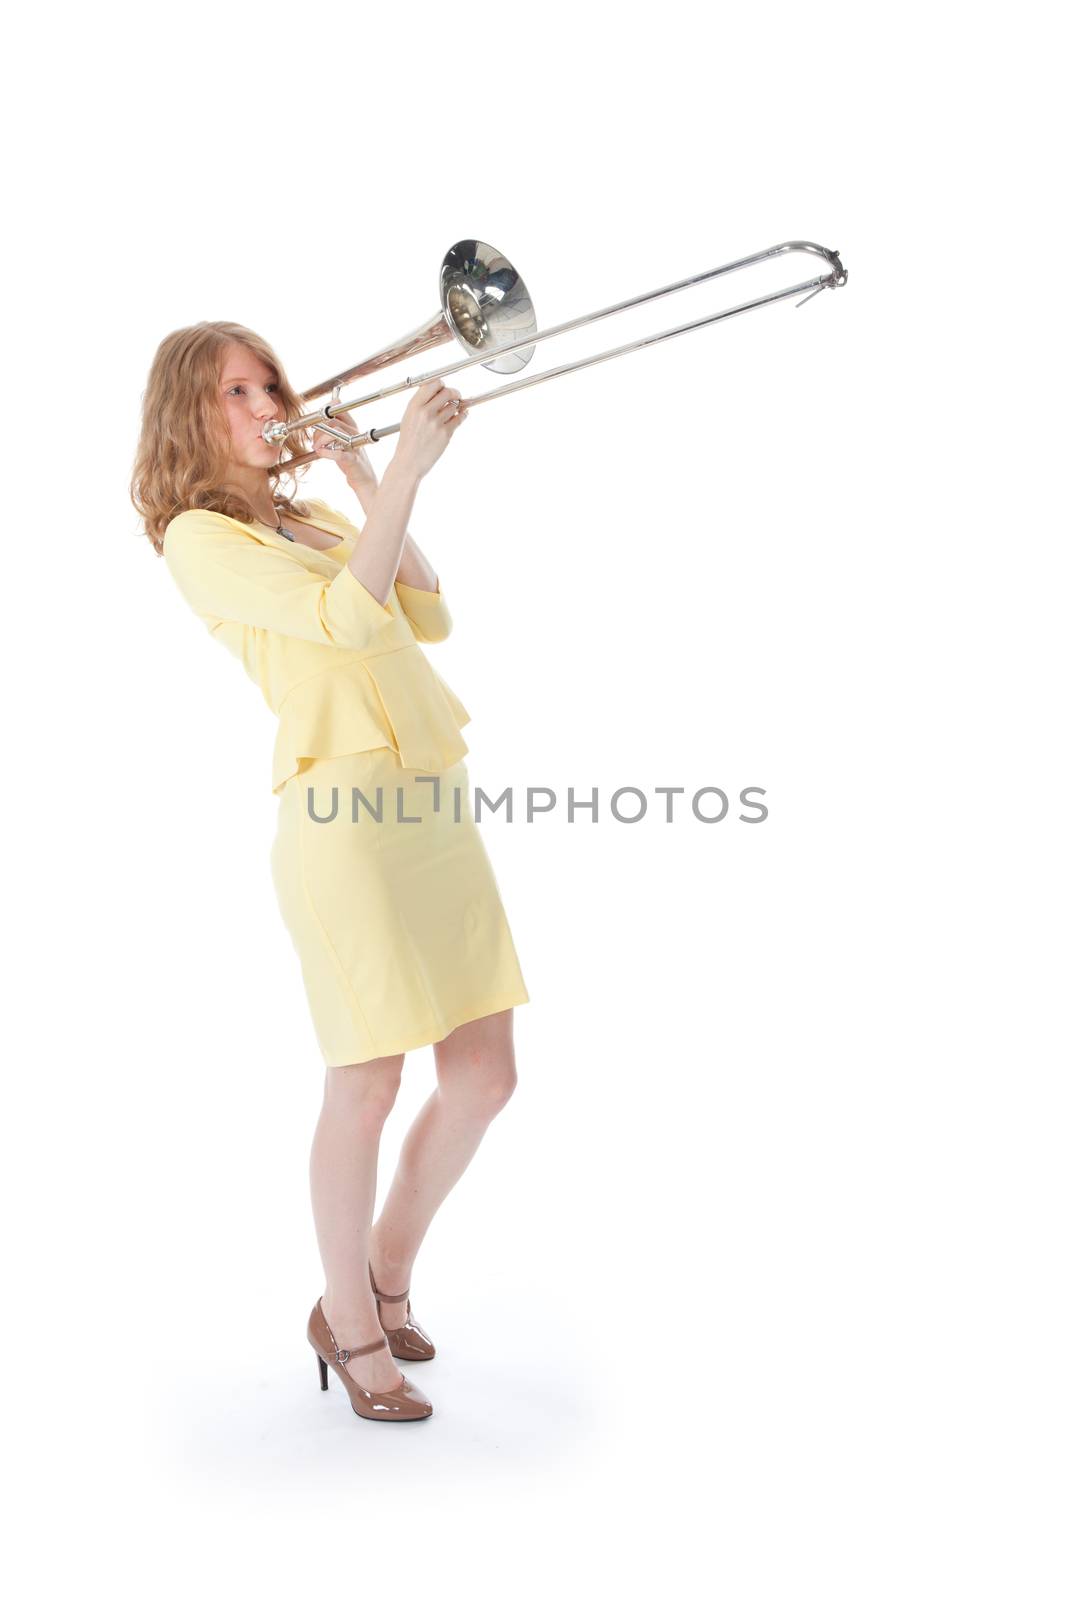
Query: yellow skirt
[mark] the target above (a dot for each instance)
(398, 923)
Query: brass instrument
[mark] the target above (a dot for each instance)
(486, 306)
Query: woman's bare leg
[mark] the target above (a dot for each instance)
(475, 1079)
(344, 1171)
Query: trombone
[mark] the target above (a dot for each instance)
(486, 307)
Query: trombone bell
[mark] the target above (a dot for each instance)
(484, 304)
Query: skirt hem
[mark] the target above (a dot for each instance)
(434, 1035)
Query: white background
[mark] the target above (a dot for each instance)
(754, 1289)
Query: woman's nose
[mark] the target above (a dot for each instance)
(267, 408)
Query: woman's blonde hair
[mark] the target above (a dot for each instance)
(182, 453)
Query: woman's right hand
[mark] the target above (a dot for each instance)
(433, 414)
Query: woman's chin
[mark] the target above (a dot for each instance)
(262, 454)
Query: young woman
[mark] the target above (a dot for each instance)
(380, 871)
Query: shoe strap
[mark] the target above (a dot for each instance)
(390, 1299)
(341, 1356)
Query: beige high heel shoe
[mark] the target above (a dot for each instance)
(404, 1403)
(408, 1342)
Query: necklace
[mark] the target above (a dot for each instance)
(284, 531)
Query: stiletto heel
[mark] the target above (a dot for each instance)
(324, 1380)
(404, 1403)
(409, 1342)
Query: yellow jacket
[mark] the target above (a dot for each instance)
(340, 671)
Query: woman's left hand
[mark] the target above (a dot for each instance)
(355, 464)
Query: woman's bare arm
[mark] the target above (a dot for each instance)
(381, 556)
(376, 559)
(413, 567)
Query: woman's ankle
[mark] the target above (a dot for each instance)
(352, 1318)
(392, 1268)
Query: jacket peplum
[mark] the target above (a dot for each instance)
(341, 672)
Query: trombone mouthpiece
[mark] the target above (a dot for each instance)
(275, 432)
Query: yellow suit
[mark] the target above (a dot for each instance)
(340, 671)
(393, 908)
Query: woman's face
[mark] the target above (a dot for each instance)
(248, 391)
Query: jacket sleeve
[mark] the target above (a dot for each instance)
(225, 573)
(426, 611)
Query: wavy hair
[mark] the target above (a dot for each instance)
(182, 454)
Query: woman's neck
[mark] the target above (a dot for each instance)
(257, 487)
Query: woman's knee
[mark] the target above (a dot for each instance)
(499, 1084)
(484, 1091)
(476, 1065)
(367, 1090)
